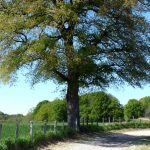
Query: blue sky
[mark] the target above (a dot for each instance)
(20, 97)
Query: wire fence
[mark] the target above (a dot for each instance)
(28, 129)
(21, 129)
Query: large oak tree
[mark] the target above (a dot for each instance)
(81, 43)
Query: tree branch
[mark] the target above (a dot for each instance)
(25, 37)
(61, 75)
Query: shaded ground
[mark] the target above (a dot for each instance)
(110, 141)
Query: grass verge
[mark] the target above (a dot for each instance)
(28, 143)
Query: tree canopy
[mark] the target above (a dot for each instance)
(99, 105)
(51, 111)
(145, 101)
(39, 105)
(96, 105)
(81, 43)
(133, 109)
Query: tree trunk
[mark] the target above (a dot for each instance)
(73, 104)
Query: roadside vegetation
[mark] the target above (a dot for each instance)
(27, 142)
(96, 106)
(99, 112)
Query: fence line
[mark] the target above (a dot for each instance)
(44, 127)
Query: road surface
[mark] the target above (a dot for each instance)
(124, 140)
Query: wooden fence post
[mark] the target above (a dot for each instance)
(31, 129)
(1, 126)
(55, 126)
(113, 119)
(119, 120)
(109, 119)
(17, 128)
(103, 120)
(63, 124)
(45, 127)
(133, 118)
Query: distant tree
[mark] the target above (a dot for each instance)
(37, 108)
(145, 101)
(14, 117)
(80, 43)
(98, 105)
(116, 110)
(51, 111)
(59, 110)
(85, 105)
(133, 109)
(44, 113)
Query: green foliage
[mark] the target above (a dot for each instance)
(44, 113)
(145, 101)
(98, 43)
(3, 146)
(78, 42)
(92, 105)
(115, 126)
(25, 142)
(133, 109)
(98, 105)
(10, 118)
(36, 109)
(51, 111)
(115, 108)
(59, 110)
(85, 106)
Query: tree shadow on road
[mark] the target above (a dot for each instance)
(112, 140)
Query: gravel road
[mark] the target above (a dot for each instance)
(110, 141)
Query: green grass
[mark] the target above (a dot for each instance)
(115, 126)
(8, 140)
(9, 130)
(24, 141)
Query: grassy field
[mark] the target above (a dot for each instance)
(24, 140)
(9, 129)
(8, 139)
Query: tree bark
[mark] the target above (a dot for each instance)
(73, 104)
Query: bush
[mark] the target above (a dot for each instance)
(23, 144)
(3, 146)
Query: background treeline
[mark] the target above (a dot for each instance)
(92, 106)
(10, 118)
(98, 106)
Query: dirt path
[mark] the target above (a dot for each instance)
(110, 141)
